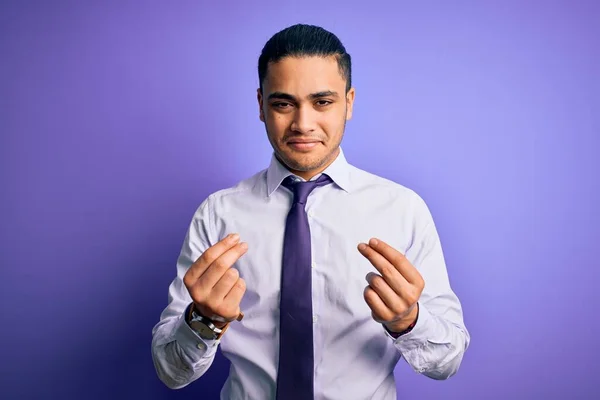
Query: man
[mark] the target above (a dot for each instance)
(313, 276)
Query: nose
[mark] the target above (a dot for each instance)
(304, 120)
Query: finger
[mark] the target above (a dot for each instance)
(234, 297)
(391, 299)
(397, 259)
(208, 257)
(217, 269)
(391, 275)
(379, 310)
(224, 285)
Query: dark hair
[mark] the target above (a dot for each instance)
(303, 40)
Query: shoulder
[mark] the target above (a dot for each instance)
(251, 186)
(367, 181)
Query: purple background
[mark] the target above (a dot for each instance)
(117, 120)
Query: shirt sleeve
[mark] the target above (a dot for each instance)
(438, 341)
(180, 356)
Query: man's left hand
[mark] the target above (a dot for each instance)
(392, 294)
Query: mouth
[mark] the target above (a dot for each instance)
(303, 145)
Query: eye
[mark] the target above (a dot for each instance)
(323, 103)
(281, 105)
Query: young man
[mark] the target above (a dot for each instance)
(313, 276)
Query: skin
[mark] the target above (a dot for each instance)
(304, 100)
(304, 106)
(392, 295)
(214, 286)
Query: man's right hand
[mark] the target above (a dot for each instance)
(214, 286)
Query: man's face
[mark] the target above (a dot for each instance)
(305, 107)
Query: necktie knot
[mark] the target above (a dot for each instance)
(302, 190)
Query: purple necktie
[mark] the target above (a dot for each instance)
(296, 356)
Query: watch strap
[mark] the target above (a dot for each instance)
(190, 315)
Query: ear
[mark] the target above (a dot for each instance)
(259, 97)
(350, 103)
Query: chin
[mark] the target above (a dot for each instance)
(305, 162)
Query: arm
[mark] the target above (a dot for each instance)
(415, 286)
(180, 356)
(438, 341)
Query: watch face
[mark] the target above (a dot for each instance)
(202, 330)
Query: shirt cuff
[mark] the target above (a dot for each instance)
(191, 343)
(423, 332)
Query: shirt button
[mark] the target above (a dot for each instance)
(314, 319)
(201, 346)
(314, 265)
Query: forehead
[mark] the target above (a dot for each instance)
(304, 75)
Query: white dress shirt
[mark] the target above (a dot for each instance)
(354, 356)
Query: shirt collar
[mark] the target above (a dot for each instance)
(338, 171)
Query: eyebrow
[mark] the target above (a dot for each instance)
(312, 96)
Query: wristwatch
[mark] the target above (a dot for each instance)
(204, 327)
